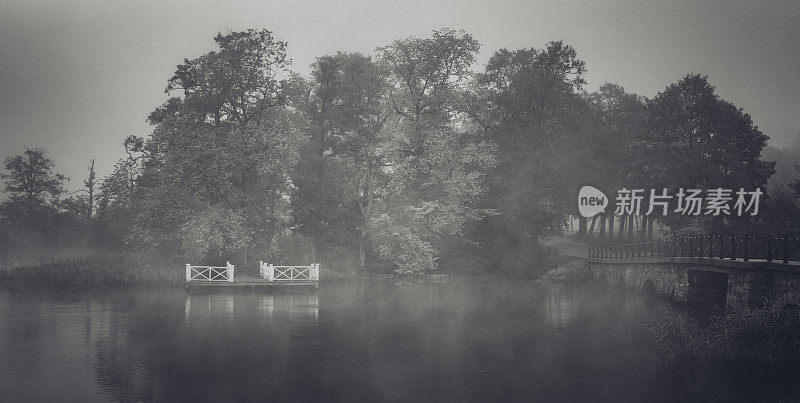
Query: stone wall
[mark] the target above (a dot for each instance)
(750, 284)
(668, 279)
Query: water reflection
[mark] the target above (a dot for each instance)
(367, 341)
(227, 306)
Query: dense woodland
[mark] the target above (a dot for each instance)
(402, 160)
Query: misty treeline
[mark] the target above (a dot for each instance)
(405, 159)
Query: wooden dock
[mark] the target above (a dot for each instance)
(272, 278)
(250, 283)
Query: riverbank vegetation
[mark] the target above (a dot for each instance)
(767, 335)
(568, 271)
(103, 270)
(404, 160)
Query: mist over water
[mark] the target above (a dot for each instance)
(364, 341)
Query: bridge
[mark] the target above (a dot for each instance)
(727, 270)
(270, 277)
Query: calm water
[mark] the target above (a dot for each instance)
(369, 341)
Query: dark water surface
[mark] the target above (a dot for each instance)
(364, 341)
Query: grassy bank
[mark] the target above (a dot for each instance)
(746, 336)
(111, 270)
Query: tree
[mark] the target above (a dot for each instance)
(781, 211)
(620, 117)
(344, 110)
(31, 182)
(223, 145)
(435, 168)
(529, 103)
(694, 139)
(236, 83)
(90, 183)
(33, 190)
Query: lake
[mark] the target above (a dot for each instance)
(360, 341)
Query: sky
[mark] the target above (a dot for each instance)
(77, 77)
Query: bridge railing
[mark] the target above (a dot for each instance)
(210, 273)
(289, 273)
(768, 248)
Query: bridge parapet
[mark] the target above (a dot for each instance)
(767, 248)
(735, 283)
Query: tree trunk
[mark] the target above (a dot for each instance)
(650, 229)
(581, 226)
(611, 226)
(622, 221)
(631, 224)
(643, 231)
(362, 255)
(602, 232)
(591, 228)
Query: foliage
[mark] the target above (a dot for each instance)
(435, 169)
(213, 234)
(528, 102)
(224, 146)
(694, 139)
(403, 160)
(31, 212)
(30, 179)
(573, 271)
(781, 210)
(288, 247)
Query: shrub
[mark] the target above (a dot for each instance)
(573, 271)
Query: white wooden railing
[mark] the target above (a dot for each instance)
(289, 273)
(210, 273)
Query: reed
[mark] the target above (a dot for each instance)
(103, 270)
(760, 335)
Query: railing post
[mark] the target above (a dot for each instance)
(229, 268)
(710, 246)
(316, 271)
(745, 257)
(769, 247)
(271, 272)
(733, 247)
(188, 272)
(785, 249)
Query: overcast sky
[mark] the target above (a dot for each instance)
(77, 77)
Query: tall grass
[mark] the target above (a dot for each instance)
(747, 336)
(111, 270)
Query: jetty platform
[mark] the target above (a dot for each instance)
(271, 278)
